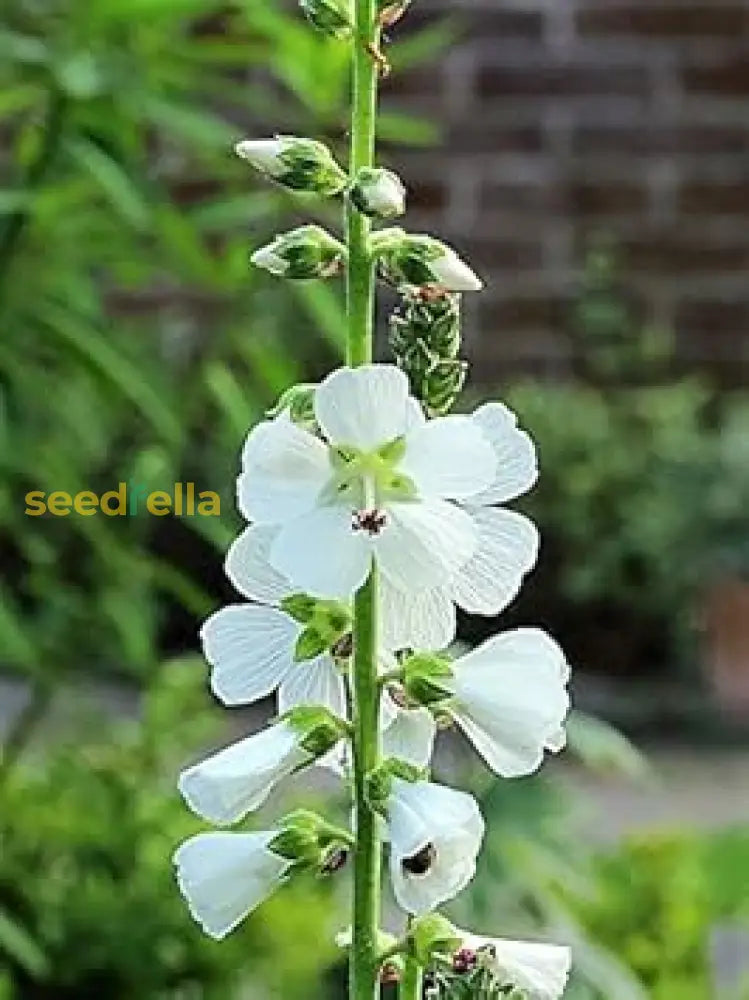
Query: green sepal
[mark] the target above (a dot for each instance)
(433, 934)
(301, 607)
(343, 455)
(311, 643)
(424, 675)
(331, 17)
(309, 166)
(379, 782)
(319, 729)
(299, 400)
(305, 839)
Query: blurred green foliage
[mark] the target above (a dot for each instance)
(88, 903)
(644, 485)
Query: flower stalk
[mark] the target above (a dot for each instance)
(365, 691)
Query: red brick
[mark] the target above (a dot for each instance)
(664, 21)
(562, 81)
(541, 311)
(472, 135)
(713, 315)
(605, 198)
(426, 196)
(703, 197)
(498, 253)
(680, 254)
(729, 78)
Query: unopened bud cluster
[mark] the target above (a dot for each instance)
(425, 338)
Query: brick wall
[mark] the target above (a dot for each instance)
(565, 119)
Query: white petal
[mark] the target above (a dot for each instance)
(263, 154)
(364, 407)
(454, 274)
(424, 543)
(421, 814)
(511, 699)
(224, 876)
(284, 470)
(449, 457)
(248, 566)
(321, 554)
(540, 970)
(250, 648)
(238, 779)
(517, 469)
(410, 733)
(507, 549)
(424, 620)
(315, 682)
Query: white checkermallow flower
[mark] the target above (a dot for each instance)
(537, 971)
(409, 259)
(239, 778)
(254, 649)
(379, 483)
(507, 549)
(435, 834)
(509, 696)
(225, 876)
(379, 193)
(297, 163)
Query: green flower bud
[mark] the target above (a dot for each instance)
(298, 164)
(433, 320)
(422, 260)
(306, 839)
(332, 17)
(433, 934)
(303, 254)
(424, 676)
(299, 400)
(378, 193)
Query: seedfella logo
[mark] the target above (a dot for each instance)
(128, 500)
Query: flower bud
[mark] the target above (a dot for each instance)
(298, 164)
(422, 260)
(379, 193)
(303, 254)
(306, 839)
(332, 17)
(299, 402)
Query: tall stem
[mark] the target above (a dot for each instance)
(412, 983)
(360, 311)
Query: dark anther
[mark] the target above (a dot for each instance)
(371, 521)
(421, 862)
(464, 961)
(344, 647)
(335, 861)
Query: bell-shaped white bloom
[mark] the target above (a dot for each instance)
(510, 699)
(537, 971)
(407, 733)
(297, 163)
(238, 779)
(224, 876)
(251, 647)
(380, 483)
(435, 835)
(379, 193)
(507, 547)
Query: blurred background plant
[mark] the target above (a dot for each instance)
(138, 345)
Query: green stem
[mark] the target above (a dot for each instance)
(412, 981)
(364, 970)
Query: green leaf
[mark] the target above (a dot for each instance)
(113, 180)
(20, 947)
(603, 748)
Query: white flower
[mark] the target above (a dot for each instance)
(435, 834)
(507, 546)
(407, 733)
(510, 699)
(251, 646)
(539, 971)
(380, 484)
(379, 193)
(224, 876)
(238, 779)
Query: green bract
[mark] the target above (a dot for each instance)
(423, 678)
